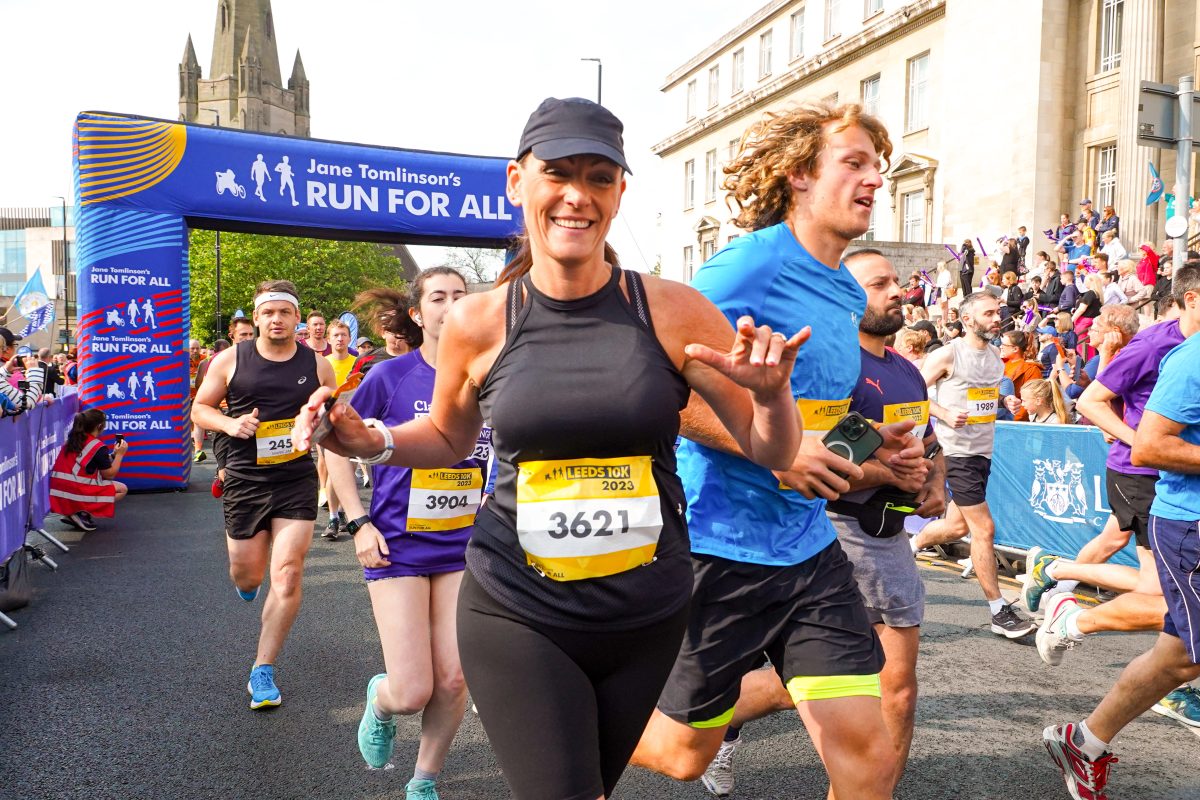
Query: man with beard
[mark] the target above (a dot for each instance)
(967, 373)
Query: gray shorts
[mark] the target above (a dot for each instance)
(886, 573)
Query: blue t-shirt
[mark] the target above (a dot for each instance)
(1176, 396)
(736, 509)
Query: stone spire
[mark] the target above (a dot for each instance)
(237, 22)
(189, 82)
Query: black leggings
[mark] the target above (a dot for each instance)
(563, 709)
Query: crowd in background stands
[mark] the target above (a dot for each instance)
(1067, 310)
(27, 377)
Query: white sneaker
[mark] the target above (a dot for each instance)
(1052, 637)
(718, 778)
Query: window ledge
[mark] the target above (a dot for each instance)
(873, 15)
(833, 38)
(922, 129)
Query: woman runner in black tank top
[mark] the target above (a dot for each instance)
(575, 597)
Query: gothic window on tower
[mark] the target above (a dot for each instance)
(224, 16)
(270, 26)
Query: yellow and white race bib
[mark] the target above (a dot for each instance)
(820, 416)
(273, 443)
(444, 499)
(982, 404)
(588, 517)
(917, 412)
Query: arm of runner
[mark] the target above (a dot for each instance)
(1096, 404)
(206, 410)
(1158, 445)
(369, 545)
(931, 498)
(938, 367)
(444, 437)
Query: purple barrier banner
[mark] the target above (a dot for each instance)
(29, 443)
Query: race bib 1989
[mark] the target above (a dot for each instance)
(982, 404)
(588, 517)
(273, 443)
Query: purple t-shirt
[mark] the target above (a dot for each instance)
(1131, 376)
(424, 527)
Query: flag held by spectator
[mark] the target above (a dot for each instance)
(34, 304)
(1156, 186)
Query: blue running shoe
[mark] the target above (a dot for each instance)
(250, 595)
(1182, 705)
(375, 736)
(421, 790)
(1037, 582)
(263, 691)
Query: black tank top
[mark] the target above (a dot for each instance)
(277, 389)
(577, 379)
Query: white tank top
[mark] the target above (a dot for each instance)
(973, 386)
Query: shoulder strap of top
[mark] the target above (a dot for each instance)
(637, 298)
(515, 302)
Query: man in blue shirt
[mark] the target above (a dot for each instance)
(770, 577)
(1167, 439)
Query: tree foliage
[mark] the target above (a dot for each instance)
(478, 265)
(327, 273)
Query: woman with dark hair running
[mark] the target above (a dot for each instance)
(412, 543)
(575, 596)
(81, 482)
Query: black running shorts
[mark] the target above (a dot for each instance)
(1130, 498)
(251, 505)
(968, 479)
(808, 619)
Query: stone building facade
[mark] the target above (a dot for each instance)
(244, 88)
(1001, 114)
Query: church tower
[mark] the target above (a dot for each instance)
(244, 88)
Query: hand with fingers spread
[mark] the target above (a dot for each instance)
(760, 360)
(242, 427)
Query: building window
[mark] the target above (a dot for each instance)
(914, 217)
(833, 20)
(869, 234)
(689, 262)
(734, 148)
(765, 53)
(739, 71)
(710, 176)
(714, 82)
(870, 95)
(1110, 34)
(1106, 176)
(709, 249)
(12, 254)
(796, 38)
(689, 184)
(918, 88)
(873, 8)
(691, 100)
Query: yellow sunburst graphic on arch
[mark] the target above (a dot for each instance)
(120, 156)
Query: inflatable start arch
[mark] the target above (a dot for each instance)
(141, 183)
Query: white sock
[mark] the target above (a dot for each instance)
(1067, 586)
(379, 715)
(912, 542)
(1091, 745)
(1063, 585)
(996, 605)
(1071, 625)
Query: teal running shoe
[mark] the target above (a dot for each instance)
(375, 737)
(1182, 705)
(1037, 582)
(263, 691)
(421, 790)
(248, 596)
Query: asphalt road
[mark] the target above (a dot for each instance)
(126, 679)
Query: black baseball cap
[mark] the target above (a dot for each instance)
(8, 337)
(573, 126)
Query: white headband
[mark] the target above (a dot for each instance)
(268, 297)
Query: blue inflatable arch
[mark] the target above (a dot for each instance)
(141, 183)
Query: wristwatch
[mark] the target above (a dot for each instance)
(353, 525)
(388, 445)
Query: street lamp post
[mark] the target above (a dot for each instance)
(599, 78)
(217, 306)
(66, 273)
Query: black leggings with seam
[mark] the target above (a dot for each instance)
(563, 709)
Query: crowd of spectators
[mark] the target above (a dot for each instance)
(1066, 310)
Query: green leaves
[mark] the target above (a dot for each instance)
(328, 274)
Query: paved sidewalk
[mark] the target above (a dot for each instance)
(126, 679)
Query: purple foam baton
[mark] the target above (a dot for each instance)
(953, 252)
(980, 243)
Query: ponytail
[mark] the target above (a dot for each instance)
(81, 427)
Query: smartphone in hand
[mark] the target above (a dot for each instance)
(854, 438)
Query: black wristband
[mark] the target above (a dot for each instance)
(353, 525)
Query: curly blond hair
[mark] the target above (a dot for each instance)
(786, 143)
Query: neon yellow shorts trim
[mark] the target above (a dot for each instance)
(715, 722)
(828, 687)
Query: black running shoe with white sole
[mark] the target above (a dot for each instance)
(1010, 623)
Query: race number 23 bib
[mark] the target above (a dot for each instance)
(587, 517)
(981, 405)
(820, 416)
(444, 499)
(273, 443)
